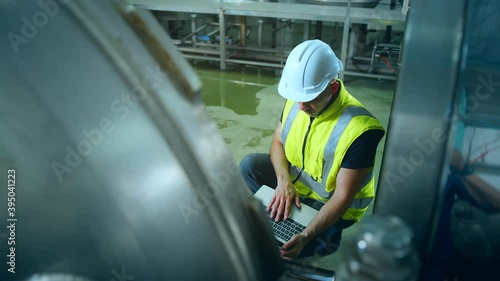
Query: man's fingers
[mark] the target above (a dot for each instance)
(290, 244)
(285, 255)
(270, 205)
(281, 206)
(297, 201)
(274, 208)
(288, 206)
(292, 248)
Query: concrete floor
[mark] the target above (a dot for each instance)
(246, 106)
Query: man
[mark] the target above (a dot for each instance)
(465, 245)
(471, 187)
(322, 153)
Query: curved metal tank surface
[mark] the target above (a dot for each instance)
(120, 174)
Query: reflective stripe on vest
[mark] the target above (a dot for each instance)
(367, 179)
(320, 188)
(360, 203)
(288, 122)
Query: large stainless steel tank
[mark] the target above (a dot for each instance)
(120, 174)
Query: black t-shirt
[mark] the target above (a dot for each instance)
(361, 153)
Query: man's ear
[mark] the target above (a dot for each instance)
(335, 86)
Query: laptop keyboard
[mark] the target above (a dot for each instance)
(285, 229)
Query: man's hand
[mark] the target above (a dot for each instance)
(291, 249)
(281, 203)
(285, 193)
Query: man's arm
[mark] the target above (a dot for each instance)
(482, 191)
(348, 182)
(285, 193)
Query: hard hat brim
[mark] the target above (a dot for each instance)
(298, 96)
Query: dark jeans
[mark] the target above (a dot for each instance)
(257, 170)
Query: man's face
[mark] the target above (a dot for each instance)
(313, 108)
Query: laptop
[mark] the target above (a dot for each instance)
(297, 221)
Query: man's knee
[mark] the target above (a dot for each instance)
(333, 243)
(247, 164)
(328, 246)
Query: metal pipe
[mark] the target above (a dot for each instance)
(405, 8)
(193, 27)
(381, 69)
(353, 42)
(282, 47)
(222, 39)
(229, 24)
(362, 58)
(243, 31)
(200, 44)
(262, 50)
(343, 52)
(258, 63)
(273, 34)
(193, 34)
(370, 75)
(198, 51)
(282, 26)
(319, 29)
(259, 32)
(204, 58)
(248, 62)
(372, 59)
(216, 30)
(197, 44)
(307, 30)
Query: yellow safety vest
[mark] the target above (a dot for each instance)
(315, 149)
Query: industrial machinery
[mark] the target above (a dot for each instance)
(115, 171)
(354, 3)
(262, 33)
(385, 53)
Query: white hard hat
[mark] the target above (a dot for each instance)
(309, 68)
